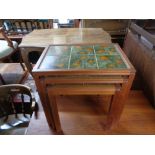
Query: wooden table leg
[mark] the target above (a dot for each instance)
(45, 101)
(55, 113)
(117, 104)
(25, 56)
(115, 111)
(21, 60)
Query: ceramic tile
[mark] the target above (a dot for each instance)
(83, 57)
(110, 62)
(55, 62)
(105, 50)
(83, 61)
(59, 50)
(82, 50)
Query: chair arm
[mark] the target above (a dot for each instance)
(14, 89)
(19, 88)
(6, 37)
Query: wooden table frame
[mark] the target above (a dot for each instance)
(38, 40)
(44, 78)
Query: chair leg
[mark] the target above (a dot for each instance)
(2, 80)
(23, 67)
(21, 63)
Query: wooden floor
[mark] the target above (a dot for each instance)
(85, 115)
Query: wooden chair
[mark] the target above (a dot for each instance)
(25, 26)
(20, 27)
(17, 104)
(7, 49)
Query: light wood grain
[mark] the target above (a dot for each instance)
(61, 82)
(83, 115)
(39, 39)
(45, 37)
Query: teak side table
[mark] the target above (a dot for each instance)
(83, 70)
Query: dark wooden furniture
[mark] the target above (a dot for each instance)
(16, 29)
(117, 28)
(139, 46)
(146, 24)
(15, 99)
(83, 70)
(6, 38)
(39, 39)
(25, 26)
(17, 38)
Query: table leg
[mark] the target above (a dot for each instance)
(21, 60)
(25, 56)
(115, 111)
(45, 101)
(117, 104)
(55, 113)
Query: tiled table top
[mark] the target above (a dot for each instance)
(83, 57)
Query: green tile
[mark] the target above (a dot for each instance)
(55, 62)
(82, 50)
(83, 62)
(83, 57)
(59, 50)
(105, 50)
(110, 62)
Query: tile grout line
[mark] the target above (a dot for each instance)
(70, 57)
(95, 57)
(120, 54)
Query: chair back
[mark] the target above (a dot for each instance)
(24, 26)
(16, 99)
(6, 37)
